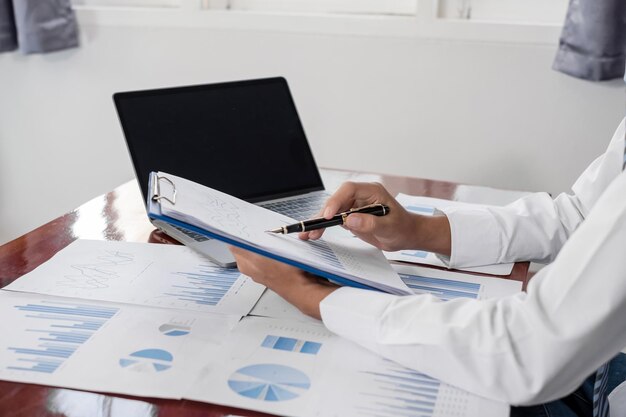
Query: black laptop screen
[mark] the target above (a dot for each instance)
(242, 138)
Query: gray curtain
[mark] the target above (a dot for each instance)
(593, 41)
(36, 26)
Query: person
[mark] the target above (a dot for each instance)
(529, 348)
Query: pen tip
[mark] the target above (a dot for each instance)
(279, 230)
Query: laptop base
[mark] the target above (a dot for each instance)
(213, 249)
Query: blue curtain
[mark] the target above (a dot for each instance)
(593, 41)
(37, 26)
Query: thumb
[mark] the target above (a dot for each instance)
(361, 223)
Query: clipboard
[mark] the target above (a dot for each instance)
(163, 189)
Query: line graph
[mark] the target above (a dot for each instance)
(227, 215)
(93, 275)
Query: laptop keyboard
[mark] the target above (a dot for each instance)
(301, 208)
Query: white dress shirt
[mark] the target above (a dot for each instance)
(528, 348)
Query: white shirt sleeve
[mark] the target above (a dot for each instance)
(524, 349)
(532, 347)
(534, 227)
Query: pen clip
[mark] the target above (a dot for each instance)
(358, 209)
(344, 215)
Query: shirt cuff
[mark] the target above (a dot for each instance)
(355, 313)
(476, 237)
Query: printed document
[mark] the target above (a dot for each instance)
(301, 369)
(169, 276)
(105, 347)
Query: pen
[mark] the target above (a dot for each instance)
(337, 219)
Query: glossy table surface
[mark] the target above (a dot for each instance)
(120, 215)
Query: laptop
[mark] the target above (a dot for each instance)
(243, 138)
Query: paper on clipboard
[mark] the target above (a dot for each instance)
(215, 214)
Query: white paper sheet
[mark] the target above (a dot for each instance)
(297, 369)
(273, 305)
(170, 276)
(427, 206)
(105, 347)
(247, 223)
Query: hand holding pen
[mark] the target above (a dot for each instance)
(397, 230)
(336, 220)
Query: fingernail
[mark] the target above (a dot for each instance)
(328, 212)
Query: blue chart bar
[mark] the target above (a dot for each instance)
(416, 253)
(291, 345)
(445, 289)
(206, 286)
(62, 328)
(421, 209)
(325, 253)
(399, 391)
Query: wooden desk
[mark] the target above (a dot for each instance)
(120, 215)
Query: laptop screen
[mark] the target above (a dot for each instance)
(242, 138)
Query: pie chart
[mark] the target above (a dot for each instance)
(174, 329)
(269, 382)
(148, 360)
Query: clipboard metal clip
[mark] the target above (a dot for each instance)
(156, 190)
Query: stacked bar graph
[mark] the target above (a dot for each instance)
(445, 289)
(290, 344)
(58, 330)
(207, 285)
(398, 391)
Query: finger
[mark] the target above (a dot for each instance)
(306, 235)
(316, 234)
(352, 194)
(240, 258)
(341, 200)
(361, 223)
(236, 251)
(312, 235)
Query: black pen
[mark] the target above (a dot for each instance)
(336, 220)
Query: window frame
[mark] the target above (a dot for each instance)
(425, 24)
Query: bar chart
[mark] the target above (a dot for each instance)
(58, 330)
(206, 285)
(398, 391)
(291, 344)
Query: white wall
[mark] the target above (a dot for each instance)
(484, 113)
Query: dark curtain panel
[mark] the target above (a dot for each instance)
(593, 41)
(37, 26)
(8, 35)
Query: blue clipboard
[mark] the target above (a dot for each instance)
(154, 212)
